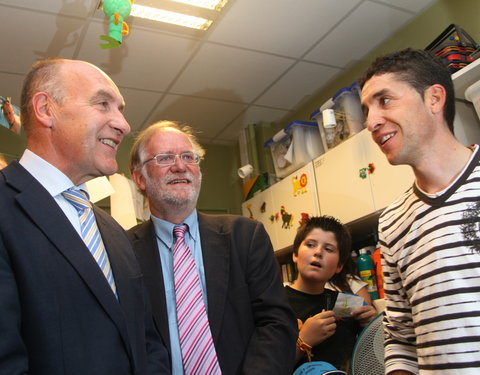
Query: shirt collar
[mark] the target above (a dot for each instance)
(50, 177)
(164, 229)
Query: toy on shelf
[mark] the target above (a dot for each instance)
(9, 115)
(116, 11)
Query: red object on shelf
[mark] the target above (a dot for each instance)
(377, 262)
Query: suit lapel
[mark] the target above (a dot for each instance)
(146, 249)
(47, 215)
(115, 243)
(216, 259)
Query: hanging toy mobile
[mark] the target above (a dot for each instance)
(116, 11)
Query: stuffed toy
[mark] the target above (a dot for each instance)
(116, 11)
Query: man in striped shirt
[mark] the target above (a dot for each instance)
(430, 235)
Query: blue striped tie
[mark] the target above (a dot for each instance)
(90, 233)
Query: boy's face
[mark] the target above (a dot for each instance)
(318, 257)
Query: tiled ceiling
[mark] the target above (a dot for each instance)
(259, 61)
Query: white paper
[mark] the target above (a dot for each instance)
(99, 188)
(346, 303)
(121, 203)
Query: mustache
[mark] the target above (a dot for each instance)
(184, 176)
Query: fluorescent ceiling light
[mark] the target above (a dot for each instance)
(161, 15)
(207, 4)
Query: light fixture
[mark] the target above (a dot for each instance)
(245, 171)
(161, 15)
(207, 4)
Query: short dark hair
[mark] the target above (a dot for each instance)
(420, 69)
(344, 243)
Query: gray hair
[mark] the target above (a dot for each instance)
(137, 153)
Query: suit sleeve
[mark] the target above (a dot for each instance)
(13, 354)
(157, 356)
(272, 346)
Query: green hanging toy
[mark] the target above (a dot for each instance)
(116, 11)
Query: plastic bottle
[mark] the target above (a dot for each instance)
(366, 271)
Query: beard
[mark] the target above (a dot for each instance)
(159, 191)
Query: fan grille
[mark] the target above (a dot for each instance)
(368, 355)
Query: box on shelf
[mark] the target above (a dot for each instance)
(341, 116)
(294, 146)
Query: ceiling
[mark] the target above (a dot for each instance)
(259, 61)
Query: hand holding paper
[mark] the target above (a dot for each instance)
(346, 303)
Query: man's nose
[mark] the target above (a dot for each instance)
(179, 163)
(120, 124)
(374, 120)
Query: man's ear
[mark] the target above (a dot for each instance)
(435, 98)
(42, 109)
(139, 179)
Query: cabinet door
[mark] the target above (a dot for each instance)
(467, 122)
(259, 208)
(294, 200)
(387, 181)
(343, 190)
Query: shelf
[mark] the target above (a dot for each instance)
(364, 226)
(284, 255)
(465, 77)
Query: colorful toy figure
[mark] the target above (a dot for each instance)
(299, 185)
(364, 171)
(11, 117)
(263, 207)
(116, 11)
(304, 218)
(248, 206)
(287, 219)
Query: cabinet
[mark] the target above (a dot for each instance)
(259, 208)
(282, 207)
(355, 179)
(467, 124)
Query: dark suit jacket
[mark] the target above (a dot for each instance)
(253, 327)
(58, 315)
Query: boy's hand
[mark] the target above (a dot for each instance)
(364, 314)
(318, 328)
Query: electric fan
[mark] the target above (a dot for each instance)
(368, 355)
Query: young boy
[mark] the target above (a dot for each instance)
(320, 249)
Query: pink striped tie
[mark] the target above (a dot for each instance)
(198, 352)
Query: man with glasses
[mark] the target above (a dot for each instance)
(249, 327)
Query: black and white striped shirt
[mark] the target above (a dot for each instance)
(431, 262)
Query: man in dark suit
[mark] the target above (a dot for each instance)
(253, 328)
(58, 313)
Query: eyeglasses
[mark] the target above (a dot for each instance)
(170, 159)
